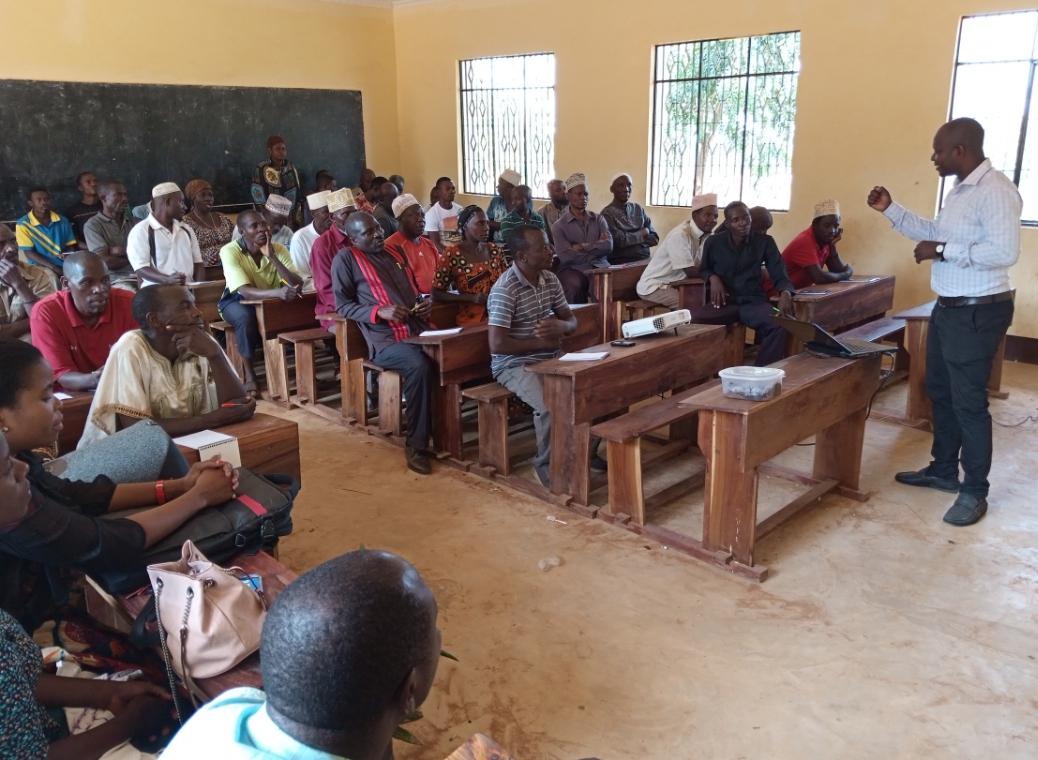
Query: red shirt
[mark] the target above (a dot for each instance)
(321, 256)
(423, 258)
(69, 344)
(802, 252)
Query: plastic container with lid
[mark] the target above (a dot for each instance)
(752, 383)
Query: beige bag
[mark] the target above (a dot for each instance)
(209, 620)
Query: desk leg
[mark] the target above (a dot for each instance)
(734, 344)
(838, 450)
(446, 429)
(277, 370)
(354, 391)
(730, 499)
(570, 443)
(306, 374)
(918, 406)
(603, 293)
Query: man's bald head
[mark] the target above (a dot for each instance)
(77, 263)
(86, 278)
(958, 148)
(965, 132)
(760, 220)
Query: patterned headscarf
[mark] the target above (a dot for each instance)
(194, 187)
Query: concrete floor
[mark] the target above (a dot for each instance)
(881, 633)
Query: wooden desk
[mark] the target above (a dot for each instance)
(846, 305)
(578, 393)
(207, 298)
(827, 398)
(274, 316)
(691, 293)
(266, 444)
(247, 673)
(74, 418)
(611, 287)
(465, 357)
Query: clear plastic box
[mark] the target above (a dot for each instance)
(752, 383)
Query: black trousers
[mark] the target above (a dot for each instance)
(960, 349)
(575, 285)
(243, 318)
(759, 317)
(419, 373)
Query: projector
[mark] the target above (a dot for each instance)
(651, 325)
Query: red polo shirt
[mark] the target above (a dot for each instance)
(69, 344)
(423, 258)
(321, 256)
(802, 252)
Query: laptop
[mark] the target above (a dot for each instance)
(818, 340)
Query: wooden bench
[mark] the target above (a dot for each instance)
(273, 317)
(615, 290)
(627, 500)
(230, 346)
(305, 341)
(266, 444)
(207, 297)
(74, 418)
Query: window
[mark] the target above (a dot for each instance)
(994, 84)
(508, 121)
(723, 114)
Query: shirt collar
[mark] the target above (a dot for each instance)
(977, 174)
(523, 281)
(265, 734)
(695, 229)
(157, 225)
(76, 319)
(36, 222)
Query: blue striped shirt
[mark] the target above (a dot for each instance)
(518, 305)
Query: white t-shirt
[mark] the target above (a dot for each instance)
(302, 243)
(175, 251)
(440, 219)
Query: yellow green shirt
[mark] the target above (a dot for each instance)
(240, 269)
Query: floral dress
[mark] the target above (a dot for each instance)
(26, 730)
(455, 271)
(211, 241)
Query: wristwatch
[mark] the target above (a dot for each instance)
(940, 251)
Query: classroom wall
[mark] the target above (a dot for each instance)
(257, 43)
(874, 86)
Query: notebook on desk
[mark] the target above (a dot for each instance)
(816, 339)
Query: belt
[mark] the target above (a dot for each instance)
(952, 302)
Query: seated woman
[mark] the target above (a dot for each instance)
(212, 228)
(471, 267)
(60, 526)
(255, 268)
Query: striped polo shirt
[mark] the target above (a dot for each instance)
(516, 304)
(48, 240)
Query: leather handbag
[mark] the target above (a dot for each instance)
(209, 619)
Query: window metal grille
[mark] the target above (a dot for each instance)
(508, 121)
(723, 120)
(994, 83)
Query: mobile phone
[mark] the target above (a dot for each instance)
(253, 581)
(622, 343)
(812, 292)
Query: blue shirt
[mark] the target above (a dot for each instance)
(496, 212)
(48, 240)
(236, 726)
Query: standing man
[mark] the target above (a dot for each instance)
(972, 243)
(44, 236)
(441, 220)
(305, 237)
(276, 176)
(89, 204)
(556, 207)
(501, 203)
(163, 250)
(107, 232)
(815, 248)
(582, 241)
(679, 256)
(21, 286)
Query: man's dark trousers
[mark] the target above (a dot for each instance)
(960, 348)
(419, 374)
(759, 317)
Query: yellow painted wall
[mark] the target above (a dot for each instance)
(251, 43)
(875, 84)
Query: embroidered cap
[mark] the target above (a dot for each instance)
(318, 200)
(511, 176)
(574, 180)
(278, 204)
(704, 200)
(164, 189)
(828, 207)
(340, 199)
(403, 202)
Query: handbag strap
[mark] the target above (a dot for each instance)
(183, 653)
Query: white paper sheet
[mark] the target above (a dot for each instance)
(434, 333)
(62, 396)
(593, 356)
(202, 438)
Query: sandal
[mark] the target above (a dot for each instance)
(251, 389)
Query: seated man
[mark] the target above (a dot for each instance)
(731, 266)
(629, 225)
(88, 204)
(170, 371)
(164, 250)
(304, 238)
(21, 286)
(349, 651)
(441, 220)
(275, 213)
(76, 327)
(325, 184)
(410, 241)
(254, 268)
(375, 288)
(387, 193)
(44, 236)
(528, 315)
(398, 180)
(814, 248)
(556, 207)
(501, 203)
(679, 256)
(760, 221)
(331, 241)
(582, 241)
(107, 231)
(521, 205)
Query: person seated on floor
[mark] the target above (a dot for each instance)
(64, 528)
(731, 267)
(76, 327)
(170, 371)
(21, 287)
(631, 228)
(43, 235)
(340, 205)
(375, 287)
(760, 221)
(441, 220)
(815, 248)
(551, 211)
(387, 193)
(469, 269)
(304, 238)
(349, 651)
(521, 213)
(528, 315)
(163, 250)
(254, 268)
(501, 203)
(410, 241)
(107, 231)
(582, 241)
(679, 256)
(88, 204)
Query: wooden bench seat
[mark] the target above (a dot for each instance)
(492, 413)
(390, 400)
(230, 346)
(626, 463)
(306, 365)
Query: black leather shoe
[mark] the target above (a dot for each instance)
(924, 479)
(417, 461)
(598, 464)
(966, 510)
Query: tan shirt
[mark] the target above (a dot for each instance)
(42, 282)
